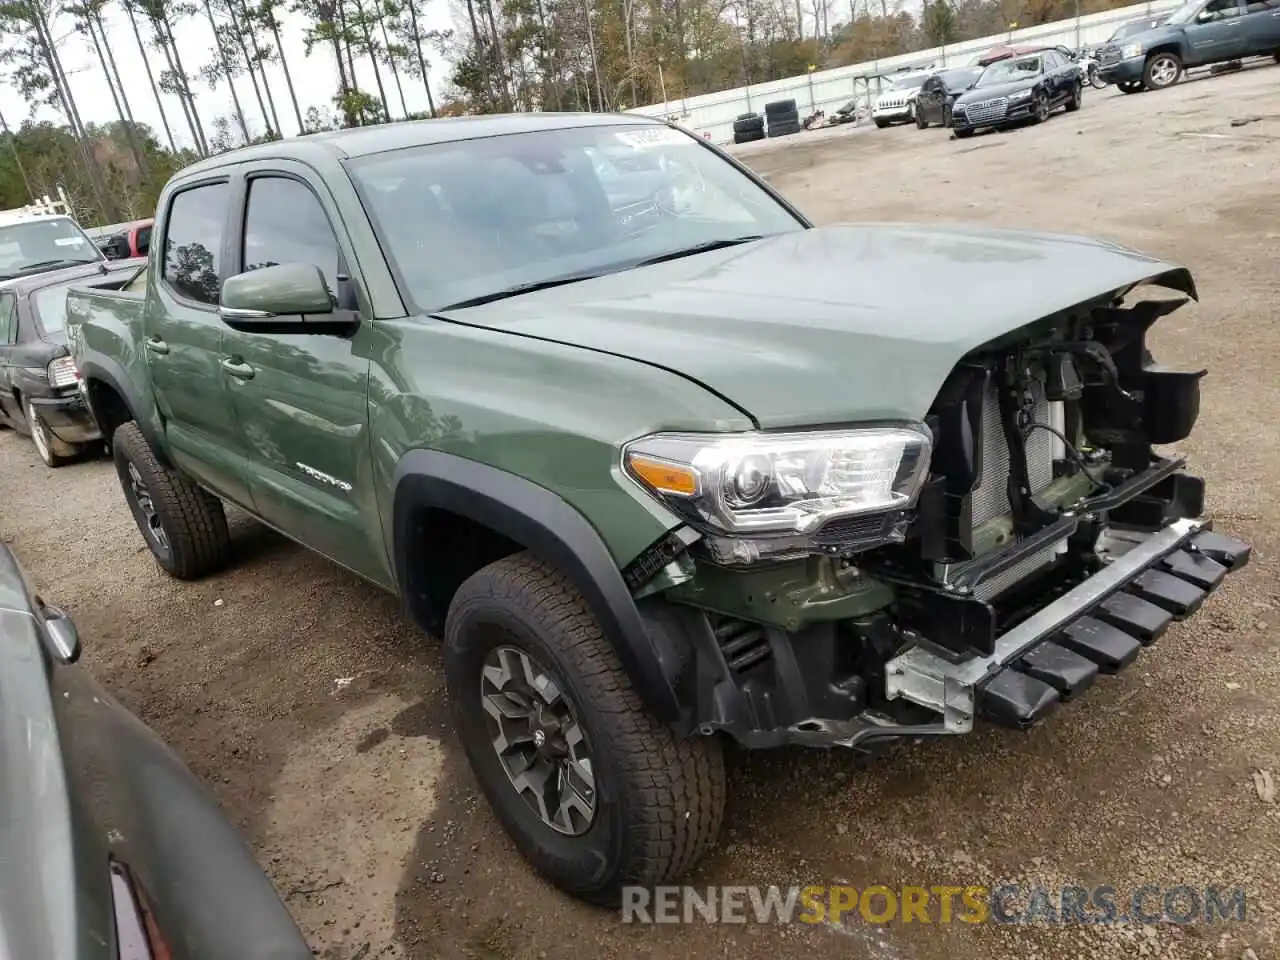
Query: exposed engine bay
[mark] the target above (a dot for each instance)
(1049, 542)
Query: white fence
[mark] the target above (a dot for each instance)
(712, 114)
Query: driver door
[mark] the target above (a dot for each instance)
(1217, 33)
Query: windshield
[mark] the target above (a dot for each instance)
(1129, 29)
(1186, 13)
(909, 83)
(1009, 71)
(959, 79)
(32, 245)
(472, 218)
(50, 304)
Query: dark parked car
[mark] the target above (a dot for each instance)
(1197, 34)
(940, 92)
(111, 848)
(39, 386)
(1021, 88)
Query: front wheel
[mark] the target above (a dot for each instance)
(183, 524)
(964, 134)
(921, 122)
(881, 122)
(1130, 86)
(1040, 108)
(595, 792)
(1162, 70)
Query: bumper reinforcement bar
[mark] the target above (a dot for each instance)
(1098, 626)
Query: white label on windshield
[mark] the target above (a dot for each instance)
(655, 136)
(68, 241)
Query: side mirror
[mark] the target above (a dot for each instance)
(276, 298)
(60, 635)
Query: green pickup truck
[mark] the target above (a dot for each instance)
(580, 391)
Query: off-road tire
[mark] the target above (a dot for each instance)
(193, 520)
(921, 122)
(1152, 67)
(1076, 99)
(52, 451)
(751, 136)
(748, 124)
(660, 800)
(781, 108)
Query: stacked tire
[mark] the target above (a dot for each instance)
(782, 117)
(748, 127)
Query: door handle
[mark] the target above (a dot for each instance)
(157, 346)
(237, 368)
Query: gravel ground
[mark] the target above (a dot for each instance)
(316, 711)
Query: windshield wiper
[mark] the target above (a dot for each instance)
(704, 247)
(518, 289)
(49, 265)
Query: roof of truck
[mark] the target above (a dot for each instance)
(361, 141)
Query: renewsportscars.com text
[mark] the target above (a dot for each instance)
(1008, 903)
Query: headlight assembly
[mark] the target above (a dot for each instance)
(1022, 94)
(787, 485)
(1130, 50)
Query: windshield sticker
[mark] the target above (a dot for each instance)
(648, 137)
(69, 241)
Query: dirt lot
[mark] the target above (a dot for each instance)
(317, 711)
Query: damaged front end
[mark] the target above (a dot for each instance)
(990, 561)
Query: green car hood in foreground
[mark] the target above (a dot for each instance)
(834, 324)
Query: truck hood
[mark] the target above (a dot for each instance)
(829, 325)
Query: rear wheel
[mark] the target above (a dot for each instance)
(52, 451)
(594, 791)
(1162, 70)
(1076, 98)
(183, 524)
(921, 122)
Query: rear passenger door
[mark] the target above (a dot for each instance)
(303, 398)
(182, 336)
(1262, 26)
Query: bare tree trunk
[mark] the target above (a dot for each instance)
(226, 70)
(151, 79)
(288, 77)
(262, 71)
(118, 95)
(248, 63)
(422, 63)
(482, 47)
(391, 62)
(73, 115)
(373, 58)
(175, 64)
(346, 41)
(499, 57)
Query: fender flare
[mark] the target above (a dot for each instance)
(542, 522)
(113, 375)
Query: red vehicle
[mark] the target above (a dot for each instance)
(132, 240)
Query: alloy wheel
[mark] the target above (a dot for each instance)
(540, 744)
(1163, 71)
(39, 435)
(1041, 108)
(142, 497)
